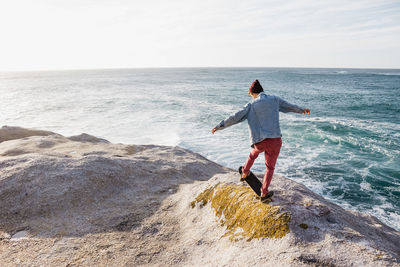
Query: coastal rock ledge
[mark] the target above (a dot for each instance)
(83, 201)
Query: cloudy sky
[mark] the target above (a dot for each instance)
(80, 34)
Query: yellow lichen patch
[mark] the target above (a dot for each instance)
(243, 215)
(203, 197)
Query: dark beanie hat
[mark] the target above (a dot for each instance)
(256, 87)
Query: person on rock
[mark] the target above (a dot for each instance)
(262, 115)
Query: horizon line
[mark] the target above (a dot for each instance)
(197, 67)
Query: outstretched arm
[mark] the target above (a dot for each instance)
(235, 118)
(285, 106)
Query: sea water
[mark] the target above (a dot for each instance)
(347, 150)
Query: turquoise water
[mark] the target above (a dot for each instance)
(348, 150)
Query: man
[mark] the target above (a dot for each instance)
(262, 115)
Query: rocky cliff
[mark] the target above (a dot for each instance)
(80, 200)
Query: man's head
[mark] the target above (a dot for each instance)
(255, 88)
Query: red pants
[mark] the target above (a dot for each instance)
(271, 148)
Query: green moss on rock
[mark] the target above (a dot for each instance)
(242, 214)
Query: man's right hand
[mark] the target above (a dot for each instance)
(306, 111)
(213, 130)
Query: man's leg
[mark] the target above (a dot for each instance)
(271, 156)
(252, 157)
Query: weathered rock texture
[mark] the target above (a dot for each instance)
(82, 201)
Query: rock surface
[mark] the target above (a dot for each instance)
(73, 201)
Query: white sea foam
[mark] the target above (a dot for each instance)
(365, 186)
(378, 127)
(342, 72)
(388, 73)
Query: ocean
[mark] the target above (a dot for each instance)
(347, 150)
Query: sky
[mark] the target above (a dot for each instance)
(92, 34)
